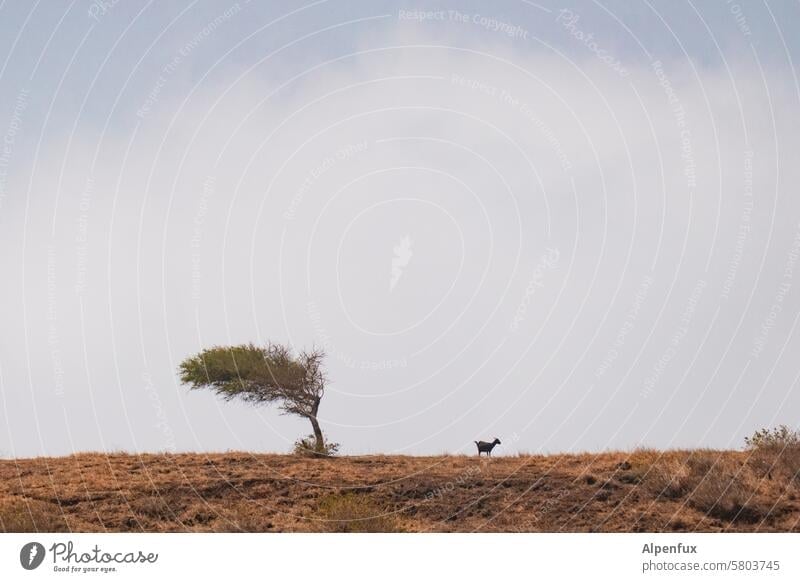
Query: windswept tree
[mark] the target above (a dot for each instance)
(263, 375)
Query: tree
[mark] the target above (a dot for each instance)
(263, 375)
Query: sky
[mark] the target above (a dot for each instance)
(573, 226)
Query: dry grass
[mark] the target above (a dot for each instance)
(644, 490)
(737, 487)
(27, 515)
(352, 512)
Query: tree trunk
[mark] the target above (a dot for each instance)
(319, 445)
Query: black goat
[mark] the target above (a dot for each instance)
(484, 447)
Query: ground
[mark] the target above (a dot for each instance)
(611, 492)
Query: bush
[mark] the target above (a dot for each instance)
(307, 448)
(349, 512)
(779, 437)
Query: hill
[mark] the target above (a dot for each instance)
(644, 490)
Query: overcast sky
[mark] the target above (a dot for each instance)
(573, 226)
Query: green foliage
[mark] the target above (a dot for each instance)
(778, 438)
(270, 374)
(307, 447)
(249, 372)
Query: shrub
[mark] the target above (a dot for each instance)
(779, 437)
(350, 512)
(31, 516)
(306, 447)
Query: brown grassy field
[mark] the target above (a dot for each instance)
(615, 492)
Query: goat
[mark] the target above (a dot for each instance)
(484, 447)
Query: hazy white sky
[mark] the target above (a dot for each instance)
(571, 226)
